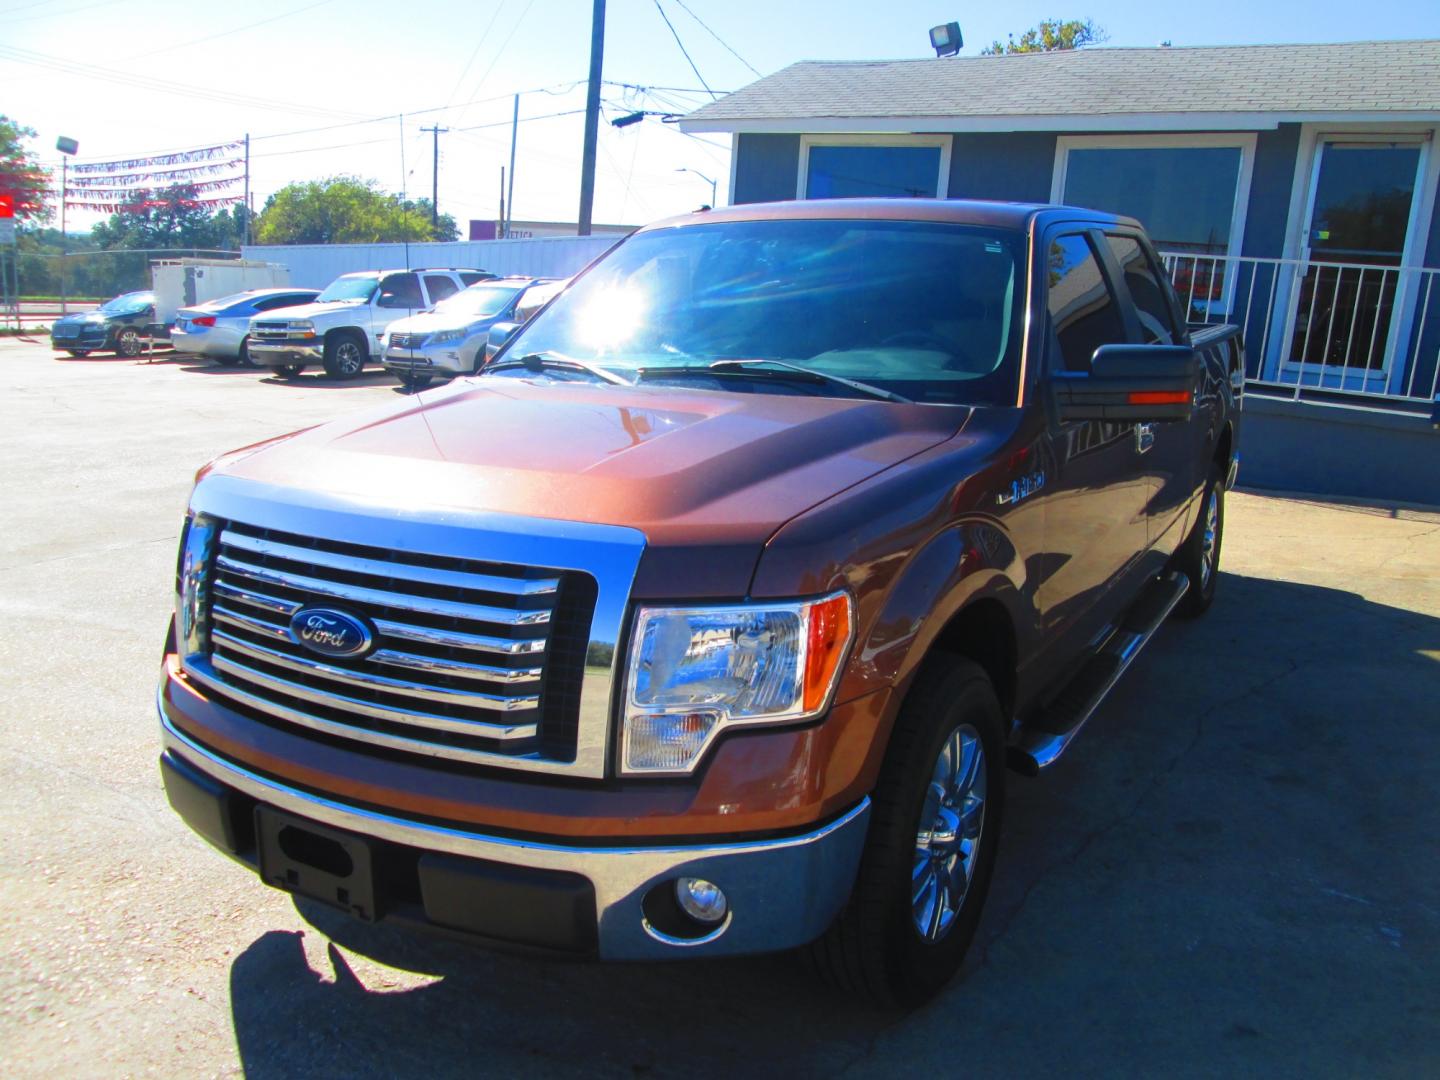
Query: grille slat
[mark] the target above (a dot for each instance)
(362, 594)
(461, 663)
(382, 683)
(426, 575)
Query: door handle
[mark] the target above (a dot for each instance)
(1144, 437)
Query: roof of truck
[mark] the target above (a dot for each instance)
(1001, 215)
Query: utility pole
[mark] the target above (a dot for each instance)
(500, 225)
(437, 131)
(510, 198)
(245, 236)
(592, 118)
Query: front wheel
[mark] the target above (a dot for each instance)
(344, 357)
(242, 358)
(78, 352)
(934, 831)
(127, 343)
(414, 383)
(1199, 558)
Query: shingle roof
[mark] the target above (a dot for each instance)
(1350, 77)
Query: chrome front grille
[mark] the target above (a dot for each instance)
(408, 341)
(470, 659)
(270, 331)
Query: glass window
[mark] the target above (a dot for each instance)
(1151, 306)
(1183, 195)
(271, 303)
(349, 287)
(470, 277)
(439, 287)
(852, 172)
(1083, 312)
(927, 310)
(400, 291)
(483, 301)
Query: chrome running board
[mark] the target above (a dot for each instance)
(1041, 743)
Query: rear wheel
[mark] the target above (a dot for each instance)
(1199, 558)
(345, 356)
(934, 831)
(289, 371)
(243, 356)
(127, 343)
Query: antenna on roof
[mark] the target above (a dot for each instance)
(946, 40)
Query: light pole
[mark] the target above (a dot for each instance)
(707, 179)
(67, 148)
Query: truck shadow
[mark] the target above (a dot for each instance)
(318, 380)
(1109, 867)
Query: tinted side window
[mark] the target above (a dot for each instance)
(1083, 311)
(470, 277)
(400, 291)
(270, 303)
(1157, 326)
(439, 287)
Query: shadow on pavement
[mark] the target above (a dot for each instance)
(318, 380)
(1242, 839)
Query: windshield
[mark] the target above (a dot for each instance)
(347, 288)
(481, 301)
(926, 310)
(128, 304)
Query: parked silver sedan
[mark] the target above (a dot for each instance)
(217, 329)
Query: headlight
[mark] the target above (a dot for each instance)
(444, 336)
(302, 328)
(695, 671)
(197, 551)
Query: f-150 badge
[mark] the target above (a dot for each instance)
(1021, 488)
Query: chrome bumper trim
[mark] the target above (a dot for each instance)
(274, 354)
(782, 892)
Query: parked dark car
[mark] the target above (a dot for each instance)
(121, 326)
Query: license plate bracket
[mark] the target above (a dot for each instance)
(307, 859)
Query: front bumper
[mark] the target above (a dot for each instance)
(582, 900)
(282, 354)
(441, 362)
(86, 338)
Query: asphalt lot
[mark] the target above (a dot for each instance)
(1234, 871)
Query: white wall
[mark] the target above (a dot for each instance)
(316, 265)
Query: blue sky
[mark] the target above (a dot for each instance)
(318, 63)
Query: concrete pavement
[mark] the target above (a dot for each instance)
(1233, 872)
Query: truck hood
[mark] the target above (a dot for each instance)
(310, 311)
(711, 473)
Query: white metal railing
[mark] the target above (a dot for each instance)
(1317, 328)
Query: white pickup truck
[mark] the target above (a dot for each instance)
(343, 327)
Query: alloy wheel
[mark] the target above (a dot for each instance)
(947, 844)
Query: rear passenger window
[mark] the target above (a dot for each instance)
(1157, 326)
(470, 277)
(1083, 311)
(400, 291)
(439, 287)
(270, 303)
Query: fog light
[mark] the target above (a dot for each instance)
(700, 899)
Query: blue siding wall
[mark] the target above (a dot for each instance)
(1002, 165)
(1270, 183)
(765, 167)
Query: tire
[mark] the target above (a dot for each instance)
(345, 356)
(127, 343)
(288, 371)
(1199, 558)
(888, 944)
(242, 358)
(414, 383)
(78, 352)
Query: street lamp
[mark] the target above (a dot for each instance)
(946, 40)
(707, 179)
(67, 148)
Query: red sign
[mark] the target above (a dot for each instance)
(7, 206)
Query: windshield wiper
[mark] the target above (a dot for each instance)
(538, 362)
(825, 376)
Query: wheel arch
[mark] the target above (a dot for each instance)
(983, 630)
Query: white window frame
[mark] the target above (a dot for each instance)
(943, 142)
(1244, 141)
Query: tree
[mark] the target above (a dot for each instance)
(1051, 35)
(21, 175)
(345, 210)
(169, 218)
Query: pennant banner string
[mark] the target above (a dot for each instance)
(204, 153)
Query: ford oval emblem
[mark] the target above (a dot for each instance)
(330, 632)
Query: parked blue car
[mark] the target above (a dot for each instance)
(219, 329)
(121, 326)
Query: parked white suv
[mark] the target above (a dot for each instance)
(343, 327)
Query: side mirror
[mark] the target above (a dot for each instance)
(500, 333)
(1134, 383)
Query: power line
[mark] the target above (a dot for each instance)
(676, 36)
(503, 46)
(717, 37)
(235, 30)
(476, 51)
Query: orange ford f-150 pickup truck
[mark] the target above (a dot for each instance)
(707, 618)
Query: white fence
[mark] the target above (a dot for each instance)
(316, 265)
(1323, 329)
